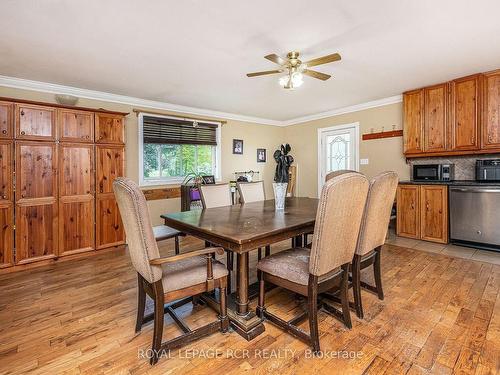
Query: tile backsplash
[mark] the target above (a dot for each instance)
(465, 166)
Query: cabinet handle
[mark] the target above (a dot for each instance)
(4, 131)
(23, 132)
(427, 206)
(87, 136)
(473, 139)
(490, 138)
(4, 197)
(22, 112)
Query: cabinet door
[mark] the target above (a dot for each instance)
(76, 202)
(109, 227)
(413, 103)
(35, 122)
(110, 164)
(434, 213)
(36, 230)
(408, 216)
(435, 118)
(6, 163)
(6, 119)
(109, 128)
(6, 236)
(491, 114)
(465, 113)
(76, 126)
(36, 170)
(36, 201)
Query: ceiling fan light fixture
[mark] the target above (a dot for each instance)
(297, 79)
(283, 81)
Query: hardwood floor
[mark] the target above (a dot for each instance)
(440, 315)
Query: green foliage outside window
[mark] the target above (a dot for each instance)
(170, 160)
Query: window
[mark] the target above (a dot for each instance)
(170, 148)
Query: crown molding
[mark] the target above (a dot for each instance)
(344, 110)
(24, 84)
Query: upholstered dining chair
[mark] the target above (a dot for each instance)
(253, 192)
(329, 176)
(326, 266)
(218, 195)
(171, 280)
(372, 235)
(164, 232)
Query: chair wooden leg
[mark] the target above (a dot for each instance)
(259, 254)
(141, 303)
(344, 296)
(262, 294)
(176, 239)
(312, 303)
(229, 266)
(268, 250)
(378, 273)
(158, 320)
(224, 321)
(356, 285)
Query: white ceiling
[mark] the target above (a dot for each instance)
(196, 53)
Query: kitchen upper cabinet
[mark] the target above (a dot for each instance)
(6, 164)
(6, 234)
(110, 164)
(35, 122)
(408, 211)
(413, 103)
(6, 119)
(465, 110)
(76, 126)
(109, 128)
(436, 118)
(109, 228)
(434, 213)
(491, 111)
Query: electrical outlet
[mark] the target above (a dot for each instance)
(364, 161)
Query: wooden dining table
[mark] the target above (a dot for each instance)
(240, 229)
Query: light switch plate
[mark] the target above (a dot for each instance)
(364, 161)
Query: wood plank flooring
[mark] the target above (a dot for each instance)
(441, 315)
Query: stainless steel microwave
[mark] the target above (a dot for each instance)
(433, 172)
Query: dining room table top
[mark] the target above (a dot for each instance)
(247, 223)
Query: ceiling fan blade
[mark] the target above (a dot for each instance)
(256, 74)
(276, 59)
(315, 74)
(323, 60)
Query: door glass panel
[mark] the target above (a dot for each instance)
(338, 155)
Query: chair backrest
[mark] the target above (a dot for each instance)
(251, 191)
(340, 172)
(217, 195)
(338, 220)
(140, 238)
(377, 212)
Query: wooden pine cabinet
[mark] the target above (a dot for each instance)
(76, 198)
(75, 125)
(413, 104)
(109, 128)
(110, 164)
(6, 116)
(35, 122)
(6, 234)
(109, 228)
(436, 118)
(408, 211)
(36, 201)
(465, 110)
(422, 212)
(491, 111)
(6, 167)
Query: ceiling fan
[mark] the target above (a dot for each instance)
(295, 69)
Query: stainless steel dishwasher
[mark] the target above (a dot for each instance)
(475, 216)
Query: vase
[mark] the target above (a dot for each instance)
(279, 194)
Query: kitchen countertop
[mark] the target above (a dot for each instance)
(452, 183)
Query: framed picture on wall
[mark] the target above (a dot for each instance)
(238, 146)
(261, 155)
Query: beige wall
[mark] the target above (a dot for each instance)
(254, 136)
(383, 154)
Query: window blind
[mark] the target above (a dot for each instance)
(178, 131)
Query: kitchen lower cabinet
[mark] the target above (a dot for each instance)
(422, 212)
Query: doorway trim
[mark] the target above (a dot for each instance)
(353, 125)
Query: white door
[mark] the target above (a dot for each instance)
(338, 149)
